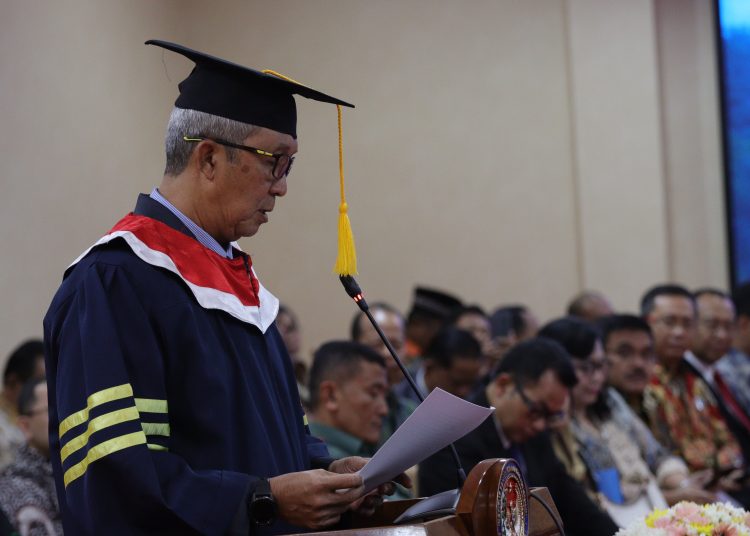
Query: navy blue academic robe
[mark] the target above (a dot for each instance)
(168, 399)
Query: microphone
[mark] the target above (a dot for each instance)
(443, 503)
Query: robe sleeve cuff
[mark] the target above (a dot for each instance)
(234, 485)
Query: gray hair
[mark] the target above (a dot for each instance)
(184, 122)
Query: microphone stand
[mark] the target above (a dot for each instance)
(442, 503)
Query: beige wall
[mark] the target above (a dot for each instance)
(504, 150)
(693, 174)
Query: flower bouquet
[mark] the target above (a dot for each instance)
(690, 519)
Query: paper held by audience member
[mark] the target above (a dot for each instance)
(438, 421)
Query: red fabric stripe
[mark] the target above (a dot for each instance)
(196, 263)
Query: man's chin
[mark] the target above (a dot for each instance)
(248, 230)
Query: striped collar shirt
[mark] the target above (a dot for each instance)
(200, 235)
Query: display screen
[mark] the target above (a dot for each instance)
(734, 50)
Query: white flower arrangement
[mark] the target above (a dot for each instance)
(690, 519)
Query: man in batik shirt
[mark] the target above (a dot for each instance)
(677, 403)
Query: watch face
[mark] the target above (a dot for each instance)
(263, 510)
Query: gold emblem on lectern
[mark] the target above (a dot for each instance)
(512, 502)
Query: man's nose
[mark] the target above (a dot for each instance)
(279, 187)
(382, 408)
(724, 332)
(539, 425)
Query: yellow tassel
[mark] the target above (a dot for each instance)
(346, 261)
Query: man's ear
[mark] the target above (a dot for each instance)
(329, 395)
(24, 424)
(12, 387)
(430, 368)
(502, 383)
(205, 158)
(12, 382)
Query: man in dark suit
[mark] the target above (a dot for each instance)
(529, 391)
(711, 344)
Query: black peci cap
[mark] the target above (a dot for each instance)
(434, 303)
(219, 87)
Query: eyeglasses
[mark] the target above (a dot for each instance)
(537, 410)
(282, 164)
(588, 367)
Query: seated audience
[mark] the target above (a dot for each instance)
(27, 488)
(288, 326)
(629, 347)
(678, 404)
(529, 391)
(511, 324)
(713, 334)
(24, 364)
(735, 367)
(623, 466)
(348, 386)
(590, 305)
(453, 362)
(712, 342)
(430, 311)
(391, 323)
(473, 319)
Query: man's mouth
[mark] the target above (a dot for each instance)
(637, 375)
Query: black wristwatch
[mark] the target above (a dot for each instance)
(262, 506)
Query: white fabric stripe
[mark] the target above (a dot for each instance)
(208, 298)
(269, 304)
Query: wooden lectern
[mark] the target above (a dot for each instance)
(494, 500)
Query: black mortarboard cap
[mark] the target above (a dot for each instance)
(223, 88)
(435, 302)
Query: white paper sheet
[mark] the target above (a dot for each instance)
(439, 420)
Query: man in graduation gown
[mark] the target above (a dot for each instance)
(173, 404)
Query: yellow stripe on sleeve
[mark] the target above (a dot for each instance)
(96, 424)
(156, 428)
(100, 451)
(151, 405)
(96, 399)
